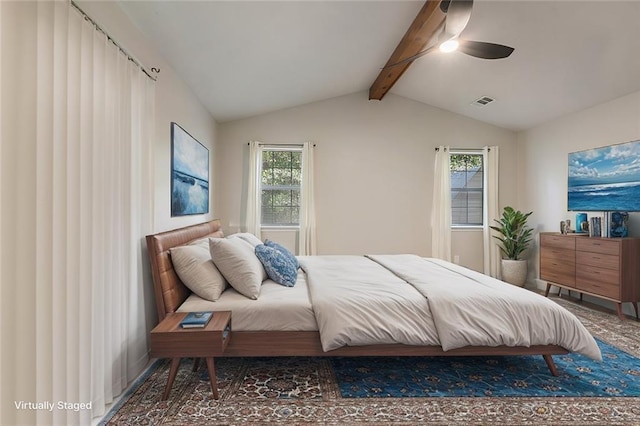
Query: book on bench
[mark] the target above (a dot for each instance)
(196, 319)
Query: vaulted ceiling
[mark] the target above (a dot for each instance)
(246, 58)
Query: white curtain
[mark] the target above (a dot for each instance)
(252, 203)
(78, 139)
(491, 211)
(307, 233)
(441, 206)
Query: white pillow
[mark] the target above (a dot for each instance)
(248, 237)
(196, 270)
(238, 263)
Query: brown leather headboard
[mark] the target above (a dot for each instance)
(170, 292)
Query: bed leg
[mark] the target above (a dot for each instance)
(551, 365)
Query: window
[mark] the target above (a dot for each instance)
(467, 188)
(280, 177)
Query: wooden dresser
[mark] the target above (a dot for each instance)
(608, 268)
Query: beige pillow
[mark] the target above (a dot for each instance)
(239, 264)
(248, 237)
(204, 242)
(195, 268)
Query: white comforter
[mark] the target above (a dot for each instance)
(408, 299)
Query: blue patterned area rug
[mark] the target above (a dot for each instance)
(513, 376)
(387, 390)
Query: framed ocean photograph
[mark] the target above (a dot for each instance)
(189, 174)
(605, 179)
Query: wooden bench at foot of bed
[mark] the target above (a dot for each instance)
(170, 293)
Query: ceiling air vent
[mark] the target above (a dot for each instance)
(485, 100)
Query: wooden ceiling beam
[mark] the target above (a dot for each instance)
(422, 33)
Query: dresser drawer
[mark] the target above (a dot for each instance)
(558, 241)
(598, 260)
(558, 254)
(592, 273)
(599, 245)
(601, 282)
(558, 271)
(556, 277)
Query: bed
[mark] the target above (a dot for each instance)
(299, 318)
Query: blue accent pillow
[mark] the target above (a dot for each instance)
(279, 266)
(283, 250)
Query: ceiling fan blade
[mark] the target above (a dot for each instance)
(484, 50)
(458, 14)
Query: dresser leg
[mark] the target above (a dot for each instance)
(175, 363)
(546, 292)
(212, 377)
(635, 307)
(619, 309)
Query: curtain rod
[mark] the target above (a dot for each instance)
(463, 149)
(124, 52)
(297, 145)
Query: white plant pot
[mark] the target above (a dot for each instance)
(514, 271)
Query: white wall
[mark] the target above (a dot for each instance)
(374, 168)
(543, 155)
(467, 248)
(174, 102)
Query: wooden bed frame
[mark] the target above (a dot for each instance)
(170, 293)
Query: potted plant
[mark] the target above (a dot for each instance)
(514, 237)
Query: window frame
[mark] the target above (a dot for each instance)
(480, 152)
(275, 147)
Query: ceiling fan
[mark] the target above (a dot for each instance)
(458, 13)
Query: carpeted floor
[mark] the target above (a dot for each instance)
(484, 390)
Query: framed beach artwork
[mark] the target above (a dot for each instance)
(605, 179)
(189, 174)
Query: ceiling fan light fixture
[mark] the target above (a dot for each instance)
(449, 46)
